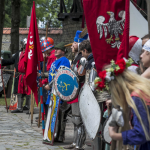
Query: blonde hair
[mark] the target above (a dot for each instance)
(121, 89)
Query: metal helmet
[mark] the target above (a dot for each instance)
(42, 38)
(24, 42)
(50, 40)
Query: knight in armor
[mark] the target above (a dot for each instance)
(78, 66)
(60, 51)
(15, 60)
(91, 74)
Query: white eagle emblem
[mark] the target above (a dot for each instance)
(113, 27)
(30, 54)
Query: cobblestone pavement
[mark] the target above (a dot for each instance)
(16, 133)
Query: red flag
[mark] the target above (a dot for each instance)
(105, 21)
(33, 54)
(124, 47)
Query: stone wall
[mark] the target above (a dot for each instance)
(7, 39)
(6, 42)
(69, 30)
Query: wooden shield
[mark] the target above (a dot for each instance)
(90, 111)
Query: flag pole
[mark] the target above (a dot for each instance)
(41, 98)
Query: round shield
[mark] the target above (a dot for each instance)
(66, 84)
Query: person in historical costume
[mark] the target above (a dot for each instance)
(91, 74)
(78, 64)
(53, 100)
(131, 92)
(14, 60)
(135, 50)
(23, 89)
(46, 47)
(145, 59)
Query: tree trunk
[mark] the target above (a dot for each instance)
(2, 16)
(15, 22)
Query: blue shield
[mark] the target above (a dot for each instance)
(66, 84)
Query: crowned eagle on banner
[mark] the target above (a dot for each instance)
(113, 27)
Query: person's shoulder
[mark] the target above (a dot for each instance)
(65, 59)
(136, 100)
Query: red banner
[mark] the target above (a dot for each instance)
(33, 54)
(105, 21)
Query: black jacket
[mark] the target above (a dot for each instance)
(13, 60)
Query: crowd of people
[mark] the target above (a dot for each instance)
(128, 87)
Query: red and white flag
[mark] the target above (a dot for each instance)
(108, 27)
(33, 54)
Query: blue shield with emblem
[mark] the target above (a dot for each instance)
(66, 84)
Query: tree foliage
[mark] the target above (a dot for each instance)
(7, 21)
(46, 10)
(50, 9)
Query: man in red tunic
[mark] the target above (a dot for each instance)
(23, 89)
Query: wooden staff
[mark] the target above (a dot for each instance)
(43, 72)
(39, 116)
(4, 91)
(32, 107)
(7, 70)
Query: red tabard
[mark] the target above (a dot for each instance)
(51, 59)
(22, 86)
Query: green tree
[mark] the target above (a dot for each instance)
(7, 21)
(2, 16)
(50, 9)
(46, 10)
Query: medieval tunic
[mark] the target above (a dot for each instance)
(50, 60)
(136, 135)
(63, 61)
(53, 109)
(22, 86)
